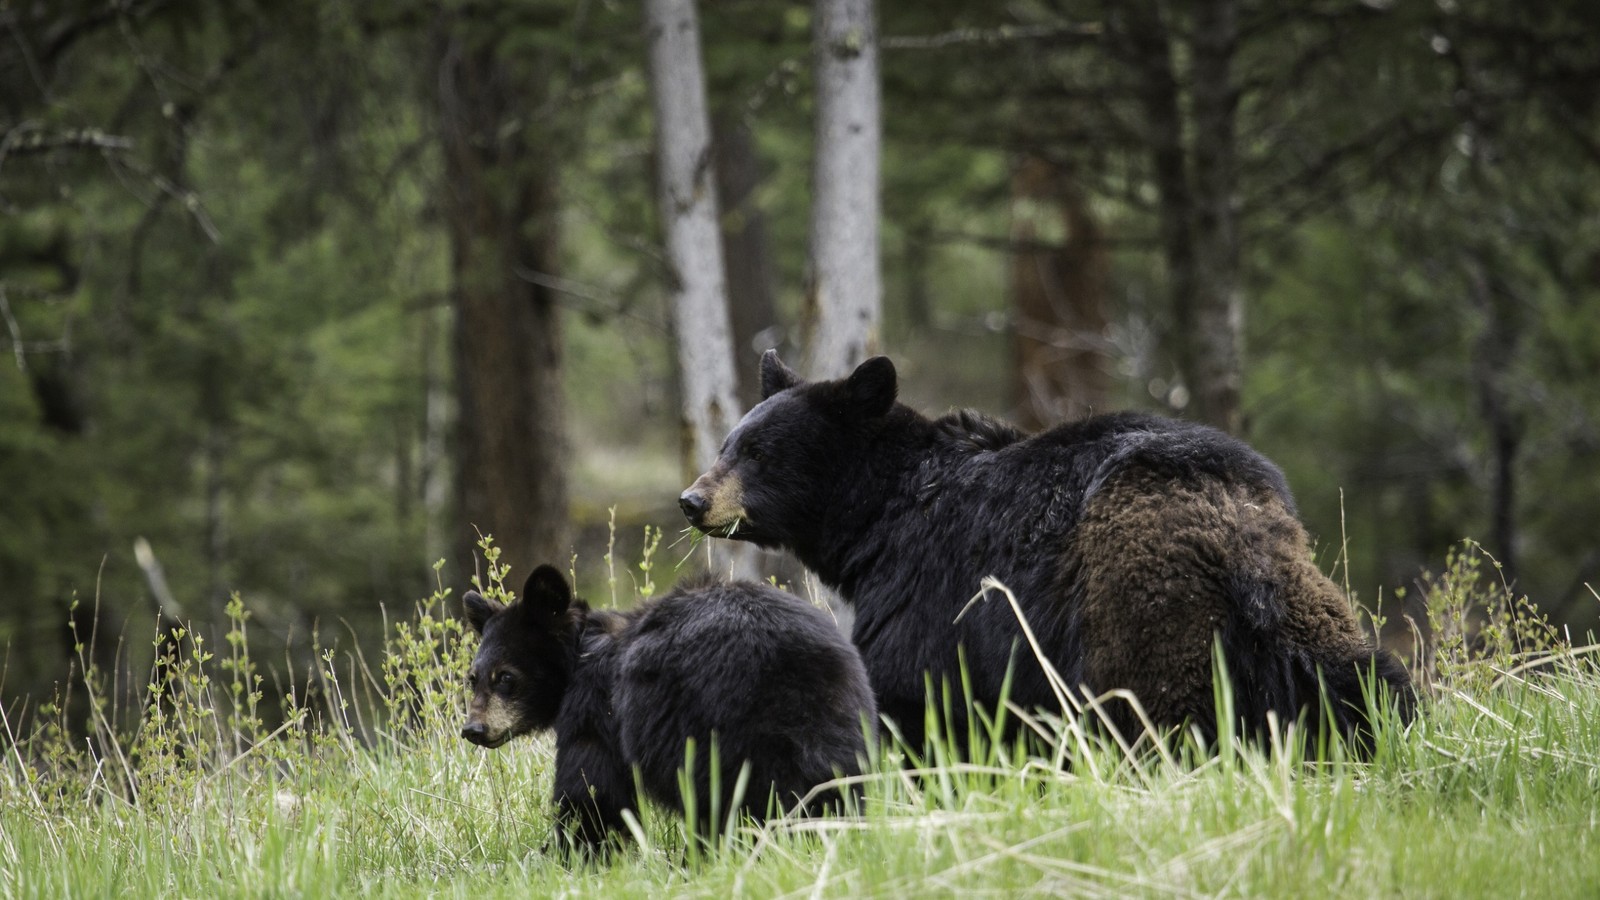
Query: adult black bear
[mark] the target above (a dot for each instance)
(1132, 542)
(764, 675)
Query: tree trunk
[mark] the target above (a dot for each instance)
(1059, 298)
(844, 297)
(918, 259)
(746, 253)
(687, 198)
(1494, 352)
(1216, 364)
(1138, 32)
(500, 210)
(1196, 190)
(433, 464)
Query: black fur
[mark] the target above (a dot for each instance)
(765, 676)
(1132, 542)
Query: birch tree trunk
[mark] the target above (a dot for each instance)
(845, 294)
(687, 198)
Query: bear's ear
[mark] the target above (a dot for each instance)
(872, 387)
(480, 609)
(775, 376)
(546, 593)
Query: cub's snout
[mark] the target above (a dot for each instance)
(478, 733)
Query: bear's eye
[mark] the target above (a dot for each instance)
(754, 454)
(472, 679)
(502, 679)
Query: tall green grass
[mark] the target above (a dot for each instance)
(361, 785)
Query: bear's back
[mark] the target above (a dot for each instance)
(1106, 445)
(988, 501)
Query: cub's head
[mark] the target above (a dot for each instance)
(519, 676)
(777, 470)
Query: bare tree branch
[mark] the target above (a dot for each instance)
(12, 327)
(1020, 245)
(28, 139)
(603, 302)
(1316, 180)
(991, 37)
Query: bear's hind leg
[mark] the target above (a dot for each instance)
(1152, 559)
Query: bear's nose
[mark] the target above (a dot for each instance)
(694, 506)
(476, 732)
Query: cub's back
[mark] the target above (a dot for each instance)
(767, 676)
(736, 650)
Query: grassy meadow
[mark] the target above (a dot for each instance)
(360, 785)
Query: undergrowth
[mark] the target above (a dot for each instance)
(362, 784)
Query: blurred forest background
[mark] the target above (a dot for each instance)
(295, 294)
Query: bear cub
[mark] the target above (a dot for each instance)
(759, 673)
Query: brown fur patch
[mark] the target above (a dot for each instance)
(1156, 558)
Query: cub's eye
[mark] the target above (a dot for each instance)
(754, 454)
(503, 679)
(472, 679)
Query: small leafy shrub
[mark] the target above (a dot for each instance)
(1479, 629)
(425, 659)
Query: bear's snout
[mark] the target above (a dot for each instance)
(694, 505)
(478, 733)
(715, 502)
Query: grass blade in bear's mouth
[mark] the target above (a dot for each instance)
(719, 531)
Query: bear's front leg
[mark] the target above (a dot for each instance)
(592, 789)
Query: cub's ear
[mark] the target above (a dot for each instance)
(546, 592)
(480, 609)
(775, 376)
(872, 386)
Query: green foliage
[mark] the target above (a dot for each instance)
(243, 681)
(240, 297)
(1479, 629)
(647, 564)
(425, 659)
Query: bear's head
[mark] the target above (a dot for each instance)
(520, 674)
(774, 477)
